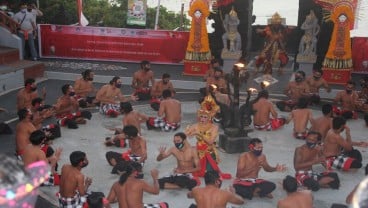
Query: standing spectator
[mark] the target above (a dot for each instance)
(27, 29)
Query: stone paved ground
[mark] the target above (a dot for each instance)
(278, 146)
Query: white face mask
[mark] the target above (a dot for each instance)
(23, 10)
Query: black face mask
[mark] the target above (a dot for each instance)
(311, 144)
(84, 164)
(33, 89)
(257, 153)
(29, 10)
(298, 79)
(118, 85)
(179, 145)
(71, 94)
(146, 69)
(349, 91)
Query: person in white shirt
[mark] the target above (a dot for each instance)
(27, 28)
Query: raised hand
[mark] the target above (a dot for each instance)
(154, 174)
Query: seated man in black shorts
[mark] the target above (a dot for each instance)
(187, 163)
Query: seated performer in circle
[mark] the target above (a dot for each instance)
(247, 183)
(136, 153)
(187, 163)
(169, 114)
(212, 195)
(295, 197)
(262, 108)
(128, 191)
(339, 152)
(305, 157)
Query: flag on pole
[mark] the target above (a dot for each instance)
(82, 19)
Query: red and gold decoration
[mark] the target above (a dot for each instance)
(338, 63)
(198, 54)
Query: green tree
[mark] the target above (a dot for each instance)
(107, 13)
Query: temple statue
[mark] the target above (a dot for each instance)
(231, 38)
(308, 43)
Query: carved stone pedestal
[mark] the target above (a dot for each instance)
(234, 141)
(233, 144)
(230, 58)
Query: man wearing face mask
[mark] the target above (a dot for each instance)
(141, 81)
(362, 103)
(27, 29)
(339, 152)
(315, 82)
(67, 109)
(84, 90)
(305, 157)
(218, 80)
(348, 99)
(23, 131)
(110, 97)
(212, 195)
(247, 183)
(73, 184)
(158, 88)
(27, 94)
(294, 90)
(187, 163)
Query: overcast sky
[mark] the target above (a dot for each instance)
(264, 9)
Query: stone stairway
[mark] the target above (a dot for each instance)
(14, 71)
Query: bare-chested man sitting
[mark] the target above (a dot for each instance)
(187, 163)
(27, 94)
(300, 118)
(348, 99)
(347, 159)
(67, 109)
(294, 90)
(141, 80)
(212, 196)
(35, 152)
(362, 103)
(218, 80)
(247, 183)
(305, 157)
(128, 191)
(158, 88)
(262, 108)
(137, 151)
(73, 184)
(84, 90)
(211, 71)
(169, 114)
(315, 82)
(295, 198)
(110, 96)
(323, 123)
(23, 131)
(131, 117)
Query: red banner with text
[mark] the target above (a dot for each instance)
(113, 44)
